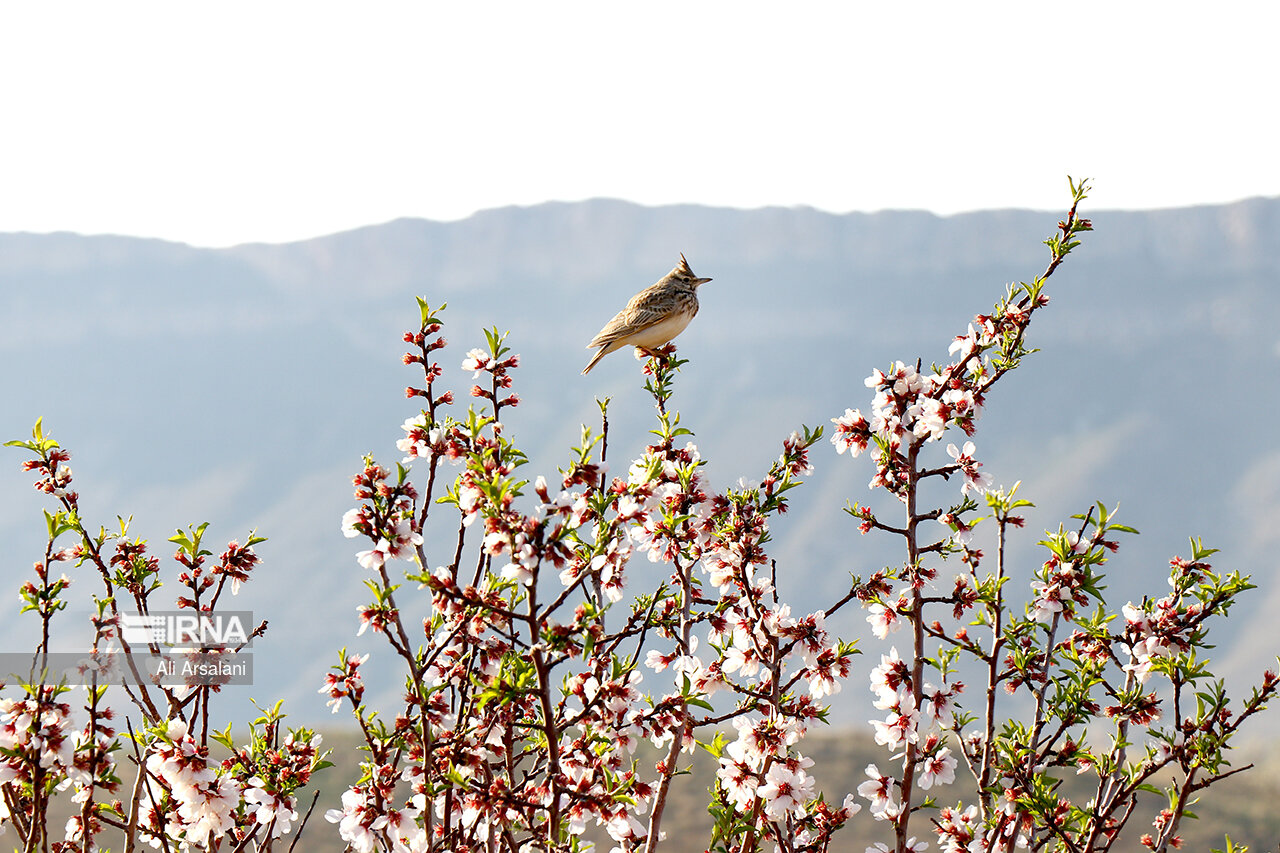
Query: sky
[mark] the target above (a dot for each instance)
(222, 123)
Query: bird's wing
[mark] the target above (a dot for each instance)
(641, 313)
(625, 324)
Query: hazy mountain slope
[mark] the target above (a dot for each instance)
(242, 385)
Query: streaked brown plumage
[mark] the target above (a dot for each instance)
(653, 317)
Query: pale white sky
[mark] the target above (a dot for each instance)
(218, 123)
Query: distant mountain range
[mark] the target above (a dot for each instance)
(241, 386)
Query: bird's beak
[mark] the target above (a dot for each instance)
(698, 281)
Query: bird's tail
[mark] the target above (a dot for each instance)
(595, 358)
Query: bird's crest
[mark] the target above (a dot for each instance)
(682, 271)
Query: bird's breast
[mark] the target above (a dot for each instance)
(662, 331)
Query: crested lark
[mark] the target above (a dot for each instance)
(654, 316)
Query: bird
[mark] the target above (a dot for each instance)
(653, 317)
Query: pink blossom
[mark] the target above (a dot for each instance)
(477, 360)
(973, 480)
(657, 661)
(891, 680)
(939, 768)
(959, 532)
(937, 701)
(883, 620)
(799, 466)
(822, 674)
(786, 789)
(930, 419)
(965, 344)
(349, 520)
(358, 822)
(878, 789)
(961, 402)
(470, 499)
(1135, 618)
(741, 656)
(767, 737)
(737, 774)
(517, 572)
(898, 728)
(420, 440)
(852, 432)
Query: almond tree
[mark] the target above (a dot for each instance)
(145, 776)
(524, 703)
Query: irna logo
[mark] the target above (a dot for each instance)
(187, 628)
